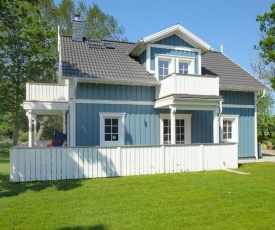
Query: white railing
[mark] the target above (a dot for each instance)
(189, 84)
(38, 164)
(46, 92)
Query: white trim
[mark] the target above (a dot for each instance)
(238, 106)
(182, 48)
(183, 32)
(121, 128)
(148, 58)
(187, 125)
(113, 102)
(235, 127)
(256, 126)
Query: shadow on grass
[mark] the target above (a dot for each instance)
(97, 227)
(8, 188)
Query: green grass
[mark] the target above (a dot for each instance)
(199, 200)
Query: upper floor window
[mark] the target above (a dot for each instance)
(163, 70)
(183, 68)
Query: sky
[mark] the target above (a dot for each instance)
(231, 23)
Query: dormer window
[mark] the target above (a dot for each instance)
(183, 68)
(163, 68)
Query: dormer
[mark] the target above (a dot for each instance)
(174, 50)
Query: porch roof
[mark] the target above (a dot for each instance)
(46, 108)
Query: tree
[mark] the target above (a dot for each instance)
(97, 24)
(266, 45)
(25, 54)
(265, 119)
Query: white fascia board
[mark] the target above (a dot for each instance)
(114, 82)
(184, 32)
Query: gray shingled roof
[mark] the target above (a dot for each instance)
(81, 61)
(232, 76)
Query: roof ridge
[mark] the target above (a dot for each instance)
(245, 70)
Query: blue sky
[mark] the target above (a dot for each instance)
(231, 23)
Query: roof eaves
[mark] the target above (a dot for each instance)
(115, 81)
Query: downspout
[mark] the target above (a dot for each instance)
(256, 127)
(219, 119)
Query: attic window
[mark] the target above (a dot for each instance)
(109, 45)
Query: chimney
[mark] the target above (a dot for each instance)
(77, 29)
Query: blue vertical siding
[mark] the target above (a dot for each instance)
(237, 97)
(180, 53)
(246, 130)
(142, 58)
(174, 40)
(115, 92)
(142, 123)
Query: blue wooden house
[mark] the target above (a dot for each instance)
(167, 88)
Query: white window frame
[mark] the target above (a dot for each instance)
(187, 126)
(121, 128)
(235, 128)
(191, 64)
(162, 58)
(173, 65)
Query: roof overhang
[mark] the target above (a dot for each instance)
(189, 102)
(114, 82)
(176, 29)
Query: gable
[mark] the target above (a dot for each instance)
(174, 40)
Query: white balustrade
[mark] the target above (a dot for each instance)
(46, 92)
(189, 84)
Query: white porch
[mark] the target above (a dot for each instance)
(179, 102)
(44, 99)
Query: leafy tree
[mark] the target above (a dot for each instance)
(265, 117)
(25, 55)
(266, 45)
(97, 24)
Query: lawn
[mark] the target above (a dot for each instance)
(199, 200)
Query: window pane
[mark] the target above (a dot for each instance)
(108, 121)
(165, 122)
(165, 131)
(115, 137)
(114, 121)
(108, 137)
(107, 129)
(115, 129)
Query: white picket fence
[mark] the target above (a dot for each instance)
(39, 164)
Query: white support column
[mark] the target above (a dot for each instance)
(173, 124)
(215, 126)
(64, 122)
(30, 127)
(34, 128)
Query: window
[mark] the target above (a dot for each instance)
(112, 129)
(163, 68)
(229, 128)
(183, 68)
(182, 129)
